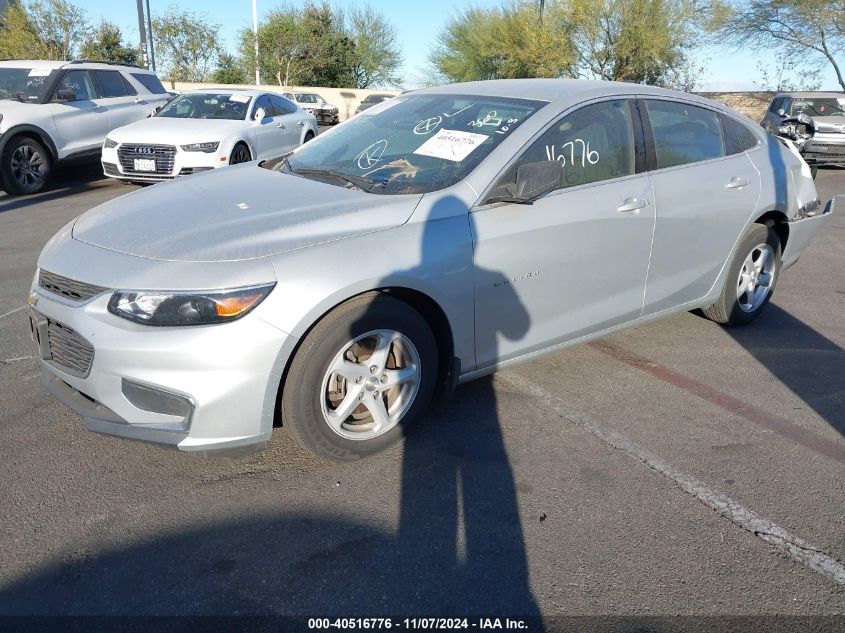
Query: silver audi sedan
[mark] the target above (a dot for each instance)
(430, 240)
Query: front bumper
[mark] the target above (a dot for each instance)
(184, 164)
(825, 149)
(222, 373)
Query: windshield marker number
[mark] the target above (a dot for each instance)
(587, 156)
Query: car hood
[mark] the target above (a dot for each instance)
(235, 213)
(175, 131)
(830, 123)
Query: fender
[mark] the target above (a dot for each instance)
(33, 129)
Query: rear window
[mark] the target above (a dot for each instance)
(684, 133)
(738, 138)
(111, 83)
(150, 82)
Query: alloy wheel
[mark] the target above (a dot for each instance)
(370, 384)
(27, 166)
(755, 278)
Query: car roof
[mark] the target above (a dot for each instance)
(808, 94)
(562, 92)
(228, 91)
(82, 65)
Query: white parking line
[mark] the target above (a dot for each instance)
(792, 546)
(12, 311)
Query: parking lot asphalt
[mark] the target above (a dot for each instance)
(677, 468)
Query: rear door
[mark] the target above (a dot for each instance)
(704, 195)
(81, 123)
(290, 121)
(119, 98)
(577, 257)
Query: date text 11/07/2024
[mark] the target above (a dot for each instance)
(433, 624)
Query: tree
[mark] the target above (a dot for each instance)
(49, 29)
(793, 28)
(229, 71)
(107, 45)
(282, 44)
(329, 55)
(186, 44)
(377, 55)
(502, 43)
(641, 41)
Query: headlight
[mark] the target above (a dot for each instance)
(186, 308)
(208, 148)
(109, 143)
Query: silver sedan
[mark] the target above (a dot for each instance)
(432, 239)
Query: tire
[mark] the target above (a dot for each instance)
(758, 254)
(308, 136)
(240, 154)
(25, 166)
(316, 416)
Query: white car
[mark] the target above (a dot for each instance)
(53, 112)
(201, 130)
(325, 112)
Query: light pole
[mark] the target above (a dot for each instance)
(142, 33)
(255, 37)
(150, 31)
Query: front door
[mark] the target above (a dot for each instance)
(576, 260)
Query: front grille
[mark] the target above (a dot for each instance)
(110, 169)
(164, 156)
(68, 288)
(68, 349)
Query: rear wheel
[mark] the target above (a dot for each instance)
(308, 136)
(240, 154)
(26, 166)
(360, 378)
(751, 279)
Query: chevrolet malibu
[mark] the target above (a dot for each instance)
(433, 239)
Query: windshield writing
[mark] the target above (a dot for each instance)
(416, 144)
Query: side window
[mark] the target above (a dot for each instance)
(593, 143)
(684, 133)
(777, 104)
(111, 83)
(130, 89)
(78, 81)
(263, 102)
(150, 82)
(282, 105)
(738, 138)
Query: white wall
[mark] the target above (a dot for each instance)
(346, 99)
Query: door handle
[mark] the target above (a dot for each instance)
(737, 183)
(633, 205)
(300, 123)
(139, 100)
(281, 126)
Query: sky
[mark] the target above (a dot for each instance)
(417, 22)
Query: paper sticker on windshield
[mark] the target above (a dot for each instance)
(40, 72)
(381, 107)
(451, 145)
(240, 98)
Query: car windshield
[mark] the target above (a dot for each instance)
(28, 85)
(413, 144)
(818, 107)
(207, 106)
(307, 98)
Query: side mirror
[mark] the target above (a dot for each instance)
(65, 95)
(781, 112)
(259, 115)
(805, 119)
(532, 181)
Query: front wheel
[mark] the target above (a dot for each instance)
(362, 375)
(308, 136)
(240, 154)
(25, 167)
(751, 279)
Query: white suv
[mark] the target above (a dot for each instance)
(61, 111)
